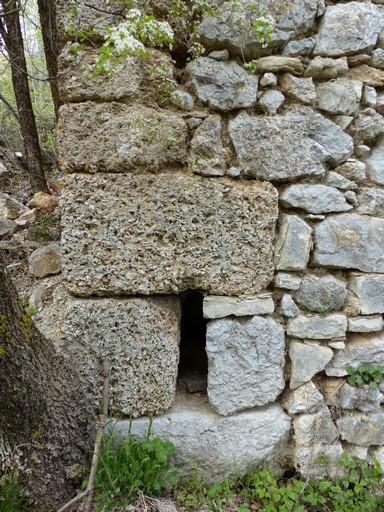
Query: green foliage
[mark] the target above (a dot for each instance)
(370, 374)
(13, 496)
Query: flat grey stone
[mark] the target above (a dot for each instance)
(334, 179)
(342, 121)
(220, 307)
(207, 155)
(271, 101)
(369, 97)
(7, 228)
(316, 327)
(367, 126)
(314, 199)
(366, 324)
(45, 261)
(307, 459)
(306, 361)
(293, 244)
(287, 281)
(10, 208)
(245, 363)
(378, 58)
(321, 293)
(353, 170)
(369, 290)
(268, 79)
(182, 100)
(288, 307)
(300, 89)
(363, 429)
(350, 241)
(375, 163)
(300, 47)
(219, 55)
(326, 68)
(279, 64)
(364, 399)
(304, 399)
(370, 202)
(339, 97)
(316, 427)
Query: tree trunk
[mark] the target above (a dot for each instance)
(43, 413)
(10, 31)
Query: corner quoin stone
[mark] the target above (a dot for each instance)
(168, 233)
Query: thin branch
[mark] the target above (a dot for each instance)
(121, 13)
(10, 108)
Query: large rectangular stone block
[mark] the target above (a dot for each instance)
(127, 234)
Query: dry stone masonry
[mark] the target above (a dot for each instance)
(234, 222)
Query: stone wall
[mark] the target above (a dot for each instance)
(262, 191)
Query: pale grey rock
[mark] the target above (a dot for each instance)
(361, 348)
(219, 55)
(3, 169)
(293, 244)
(321, 293)
(252, 438)
(7, 228)
(151, 234)
(300, 47)
(10, 208)
(279, 64)
(371, 201)
(305, 458)
(316, 327)
(194, 122)
(114, 137)
(182, 100)
(364, 399)
(233, 172)
(339, 97)
(222, 85)
(313, 428)
(366, 324)
(306, 360)
(369, 97)
(268, 80)
(288, 307)
(348, 28)
(220, 307)
(300, 89)
(271, 101)
(367, 126)
(342, 121)
(337, 345)
(353, 170)
(326, 68)
(45, 261)
(287, 281)
(207, 155)
(140, 339)
(362, 151)
(380, 102)
(363, 429)
(334, 179)
(377, 453)
(375, 163)
(350, 241)
(304, 399)
(378, 58)
(314, 199)
(245, 363)
(369, 290)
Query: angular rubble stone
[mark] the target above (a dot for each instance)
(317, 327)
(271, 101)
(301, 47)
(268, 79)
(45, 261)
(314, 199)
(114, 137)
(371, 201)
(369, 97)
(140, 339)
(300, 89)
(375, 163)
(343, 121)
(287, 281)
(368, 75)
(307, 360)
(304, 399)
(7, 228)
(182, 100)
(223, 85)
(348, 28)
(207, 156)
(367, 126)
(350, 241)
(364, 429)
(220, 307)
(245, 363)
(252, 437)
(366, 324)
(163, 234)
(305, 459)
(361, 348)
(326, 68)
(10, 208)
(279, 64)
(353, 170)
(43, 202)
(369, 290)
(337, 345)
(288, 307)
(334, 179)
(364, 399)
(27, 218)
(378, 58)
(321, 293)
(357, 60)
(219, 55)
(341, 96)
(380, 102)
(293, 244)
(316, 427)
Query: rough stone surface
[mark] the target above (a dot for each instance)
(326, 68)
(353, 170)
(164, 234)
(287, 281)
(364, 399)
(369, 290)
(223, 85)
(268, 80)
(307, 360)
(271, 101)
(366, 324)
(367, 126)
(279, 64)
(375, 163)
(293, 244)
(182, 100)
(361, 348)
(314, 199)
(334, 179)
(371, 201)
(140, 339)
(210, 443)
(43, 202)
(317, 427)
(378, 58)
(252, 352)
(288, 307)
(301, 47)
(369, 97)
(321, 293)
(304, 399)
(299, 89)
(305, 459)
(368, 75)
(340, 97)
(220, 307)
(361, 428)
(317, 327)
(45, 261)
(114, 137)
(208, 156)
(350, 241)
(342, 121)
(10, 208)
(7, 228)
(348, 28)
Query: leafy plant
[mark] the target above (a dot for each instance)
(13, 496)
(370, 374)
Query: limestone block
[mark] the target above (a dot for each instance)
(378, 58)
(368, 75)
(217, 447)
(114, 137)
(316, 428)
(317, 327)
(343, 121)
(307, 360)
(300, 89)
(366, 324)
(361, 348)
(127, 234)
(375, 163)
(326, 68)
(321, 293)
(288, 307)
(334, 179)
(245, 363)
(365, 399)
(10, 208)
(223, 85)
(341, 96)
(353, 170)
(140, 339)
(300, 47)
(369, 290)
(350, 241)
(314, 199)
(348, 28)
(369, 97)
(287, 281)
(208, 156)
(304, 399)
(45, 261)
(268, 79)
(220, 307)
(293, 244)
(370, 201)
(279, 64)
(305, 459)
(364, 429)
(271, 101)
(7, 228)
(367, 126)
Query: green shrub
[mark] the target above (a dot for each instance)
(13, 496)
